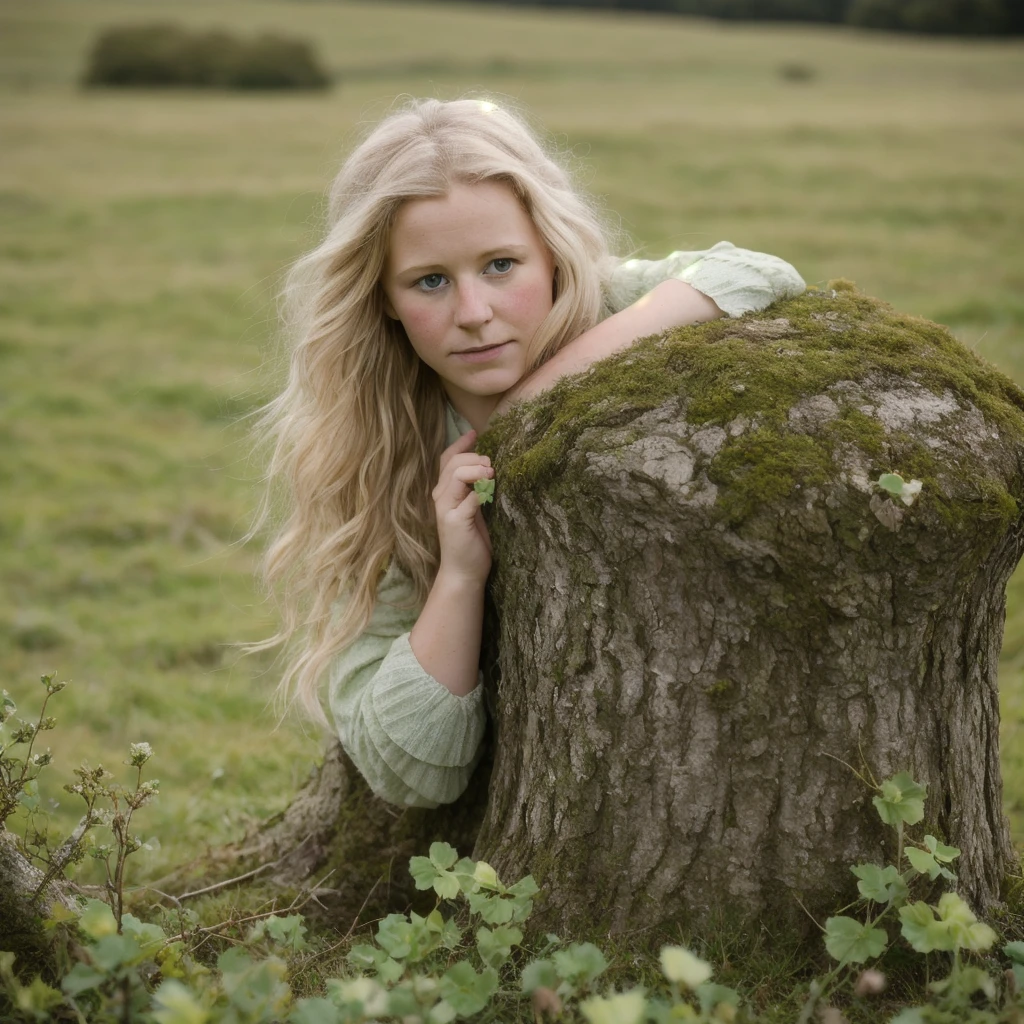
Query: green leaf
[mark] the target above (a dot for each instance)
(97, 920)
(442, 1013)
(287, 931)
(176, 1004)
(678, 964)
(484, 490)
(911, 1015)
(364, 996)
(1015, 951)
(538, 974)
(923, 862)
(921, 929)
(712, 995)
(495, 947)
(966, 930)
(881, 885)
(581, 963)
(395, 934)
(81, 978)
(524, 887)
(486, 877)
(901, 799)
(467, 991)
(942, 853)
(891, 482)
(443, 856)
(851, 942)
(428, 874)
(624, 1008)
(961, 984)
(113, 951)
(492, 908)
(150, 937)
(314, 1011)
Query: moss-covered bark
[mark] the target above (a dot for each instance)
(707, 606)
(702, 607)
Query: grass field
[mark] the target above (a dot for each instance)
(143, 239)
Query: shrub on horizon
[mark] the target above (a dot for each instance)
(167, 56)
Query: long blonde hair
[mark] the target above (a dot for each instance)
(358, 430)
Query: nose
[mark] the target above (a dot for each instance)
(472, 308)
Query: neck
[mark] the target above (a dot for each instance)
(475, 409)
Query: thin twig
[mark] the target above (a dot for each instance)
(227, 881)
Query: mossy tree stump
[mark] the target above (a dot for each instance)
(704, 608)
(709, 612)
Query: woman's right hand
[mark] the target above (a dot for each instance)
(462, 533)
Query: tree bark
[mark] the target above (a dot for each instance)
(711, 616)
(708, 617)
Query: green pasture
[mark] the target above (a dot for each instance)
(144, 235)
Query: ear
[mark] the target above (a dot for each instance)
(389, 310)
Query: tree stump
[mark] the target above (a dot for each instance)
(711, 615)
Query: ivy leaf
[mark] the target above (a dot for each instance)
(891, 482)
(942, 853)
(901, 799)
(484, 490)
(713, 995)
(923, 862)
(442, 1013)
(492, 908)
(496, 946)
(881, 885)
(314, 1011)
(486, 877)
(966, 930)
(286, 931)
(113, 951)
(466, 991)
(97, 920)
(176, 1004)
(624, 1008)
(851, 942)
(443, 855)
(428, 874)
(582, 963)
(82, 978)
(922, 931)
(538, 974)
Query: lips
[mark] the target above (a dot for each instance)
(483, 353)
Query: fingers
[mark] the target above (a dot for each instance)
(463, 444)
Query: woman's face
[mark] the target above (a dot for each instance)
(471, 280)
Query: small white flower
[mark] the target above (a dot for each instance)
(139, 754)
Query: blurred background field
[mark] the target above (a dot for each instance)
(143, 239)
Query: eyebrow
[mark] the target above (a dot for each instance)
(428, 268)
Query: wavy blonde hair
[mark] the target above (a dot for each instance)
(359, 428)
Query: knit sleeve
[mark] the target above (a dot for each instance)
(738, 280)
(415, 742)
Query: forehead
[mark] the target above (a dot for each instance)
(470, 219)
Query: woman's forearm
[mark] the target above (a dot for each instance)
(447, 634)
(672, 303)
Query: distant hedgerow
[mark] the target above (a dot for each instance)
(164, 56)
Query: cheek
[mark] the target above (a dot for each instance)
(424, 324)
(531, 301)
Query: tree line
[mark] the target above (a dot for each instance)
(949, 17)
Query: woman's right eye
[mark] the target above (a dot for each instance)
(431, 282)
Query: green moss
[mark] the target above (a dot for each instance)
(759, 367)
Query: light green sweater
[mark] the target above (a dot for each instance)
(416, 742)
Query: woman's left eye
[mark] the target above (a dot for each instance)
(502, 265)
